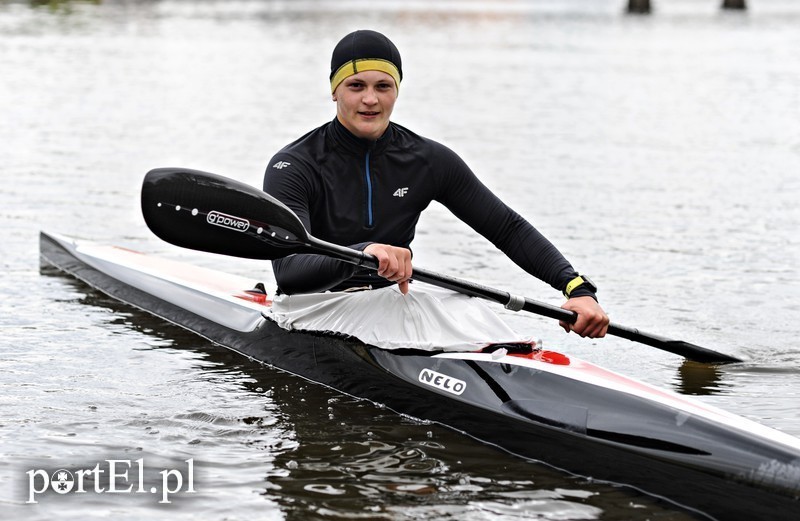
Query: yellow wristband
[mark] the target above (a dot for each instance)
(571, 285)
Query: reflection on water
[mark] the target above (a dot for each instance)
(699, 379)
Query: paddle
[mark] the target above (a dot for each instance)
(207, 212)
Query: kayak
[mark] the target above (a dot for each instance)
(534, 403)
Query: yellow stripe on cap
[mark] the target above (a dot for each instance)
(365, 64)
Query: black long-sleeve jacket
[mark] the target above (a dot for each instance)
(354, 192)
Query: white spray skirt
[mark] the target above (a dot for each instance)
(428, 318)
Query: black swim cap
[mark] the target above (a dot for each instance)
(365, 51)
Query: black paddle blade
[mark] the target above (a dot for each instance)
(211, 213)
(698, 354)
(679, 347)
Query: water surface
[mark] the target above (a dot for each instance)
(659, 153)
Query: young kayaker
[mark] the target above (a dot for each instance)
(362, 180)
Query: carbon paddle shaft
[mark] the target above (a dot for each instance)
(208, 212)
(516, 303)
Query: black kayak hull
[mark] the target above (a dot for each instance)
(714, 464)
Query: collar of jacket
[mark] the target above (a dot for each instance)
(343, 138)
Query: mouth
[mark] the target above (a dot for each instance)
(368, 113)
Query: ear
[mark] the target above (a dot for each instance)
(334, 98)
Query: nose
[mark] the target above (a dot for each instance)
(370, 97)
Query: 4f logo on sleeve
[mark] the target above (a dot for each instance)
(280, 165)
(400, 192)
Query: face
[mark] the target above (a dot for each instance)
(364, 102)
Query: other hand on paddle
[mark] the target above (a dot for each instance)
(592, 321)
(393, 263)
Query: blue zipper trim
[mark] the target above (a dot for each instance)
(369, 193)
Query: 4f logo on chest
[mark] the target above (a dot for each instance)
(400, 192)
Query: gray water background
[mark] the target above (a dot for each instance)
(660, 153)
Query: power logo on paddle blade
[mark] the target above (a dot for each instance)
(228, 221)
(442, 381)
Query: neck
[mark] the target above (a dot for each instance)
(355, 142)
(355, 132)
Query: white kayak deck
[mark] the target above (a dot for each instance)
(427, 318)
